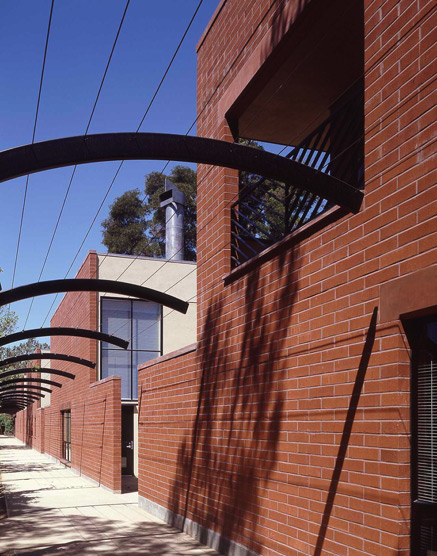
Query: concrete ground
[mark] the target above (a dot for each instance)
(50, 510)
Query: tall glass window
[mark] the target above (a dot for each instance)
(66, 435)
(138, 322)
(423, 340)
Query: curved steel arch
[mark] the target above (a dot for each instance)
(19, 392)
(92, 285)
(36, 356)
(26, 380)
(14, 395)
(69, 151)
(30, 388)
(63, 331)
(37, 370)
(14, 407)
(32, 398)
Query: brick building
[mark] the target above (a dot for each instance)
(287, 430)
(91, 423)
(301, 422)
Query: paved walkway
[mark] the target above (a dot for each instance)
(53, 511)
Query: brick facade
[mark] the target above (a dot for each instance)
(95, 406)
(287, 430)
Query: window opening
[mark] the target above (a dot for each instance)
(267, 210)
(423, 339)
(138, 322)
(66, 435)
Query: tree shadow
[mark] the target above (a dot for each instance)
(93, 521)
(226, 459)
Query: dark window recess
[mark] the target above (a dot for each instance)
(138, 322)
(267, 211)
(66, 435)
(423, 339)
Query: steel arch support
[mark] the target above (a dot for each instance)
(92, 285)
(63, 331)
(47, 370)
(26, 380)
(39, 356)
(83, 149)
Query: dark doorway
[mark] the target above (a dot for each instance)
(127, 440)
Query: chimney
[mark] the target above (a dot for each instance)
(174, 202)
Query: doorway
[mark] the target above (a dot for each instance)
(127, 440)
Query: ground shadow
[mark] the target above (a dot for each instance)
(85, 524)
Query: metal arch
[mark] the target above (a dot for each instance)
(92, 285)
(24, 397)
(14, 407)
(36, 356)
(27, 388)
(47, 370)
(19, 392)
(26, 380)
(63, 331)
(69, 151)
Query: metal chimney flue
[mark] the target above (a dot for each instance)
(174, 202)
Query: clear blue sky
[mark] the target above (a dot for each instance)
(81, 37)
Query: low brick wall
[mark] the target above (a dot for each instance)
(95, 431)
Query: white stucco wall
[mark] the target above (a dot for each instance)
(178, 278)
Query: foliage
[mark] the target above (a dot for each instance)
(134, 227)
(6, 423)
(8, 324)
(124, 229)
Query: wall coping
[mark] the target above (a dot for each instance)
(210, 24)
(107, 379)
(172, 355)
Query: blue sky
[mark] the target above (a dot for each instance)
(81, 38)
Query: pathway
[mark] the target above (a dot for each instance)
(51, 510)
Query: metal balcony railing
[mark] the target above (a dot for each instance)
(267, 211)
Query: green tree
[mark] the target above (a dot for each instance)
(8, 325)
(134, 227)
(124, 229)
(6, 423)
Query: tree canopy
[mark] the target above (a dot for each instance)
(137, 227)
(8, 325)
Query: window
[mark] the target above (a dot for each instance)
(139, 322)
(423, 339)
(66, 435)
(267, 211)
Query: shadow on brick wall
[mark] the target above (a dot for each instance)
(226, 460)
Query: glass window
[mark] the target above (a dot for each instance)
(116, 319)
(423, 339)
(66, 435)
(138, 322)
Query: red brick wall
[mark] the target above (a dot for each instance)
(95, 407)
(288, 429)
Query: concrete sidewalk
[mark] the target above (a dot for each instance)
(53, 511)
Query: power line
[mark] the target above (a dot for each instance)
(378, 123)
(75, 167)
(189, 129)
(33, 139)
(137, 130)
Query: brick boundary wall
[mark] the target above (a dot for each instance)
(288, 430)
(95, 406)
(96, 432)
